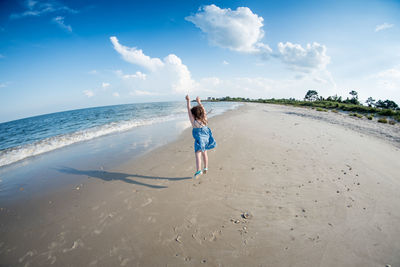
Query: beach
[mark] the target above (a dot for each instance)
(286, 187)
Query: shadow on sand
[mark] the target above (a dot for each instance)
(118, 176)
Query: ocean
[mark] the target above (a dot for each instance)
(29, 137)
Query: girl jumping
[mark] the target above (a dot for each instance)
(203, 139)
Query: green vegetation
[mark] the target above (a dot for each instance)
(356, 115)
(382, 120)
(387, 108)
(387, 104)
(386, 112)
(311, 95)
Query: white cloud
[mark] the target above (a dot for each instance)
(389, 79)
(141, 93)
(181, 78)
(261, 87)
(88, 93)
(138, 75)
(59, 20)
(174, 77)
(38, 8)
(303, 59)
(225, 62)
(383, 26)
(238, 30)
(384, 84)
(30, 3)
(165, 76)
(93, 72)
(241, 30)
(5, 84)
(116, 94)
(136, 56)
(393, 73)
(105, 85)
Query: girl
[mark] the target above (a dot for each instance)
(203, 139)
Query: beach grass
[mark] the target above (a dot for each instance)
(356, 115)
(382, 120)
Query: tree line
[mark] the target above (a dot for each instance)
(312, 95)
(312, 99)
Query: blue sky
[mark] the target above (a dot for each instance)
(61, 55)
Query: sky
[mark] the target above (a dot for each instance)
(61, 55)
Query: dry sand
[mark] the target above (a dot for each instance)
(317, 194)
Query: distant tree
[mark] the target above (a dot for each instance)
(370, 102)
(389, 104)
(379, 104)
(354, 99)
(311, 95)
(334, 98)
(354, 94)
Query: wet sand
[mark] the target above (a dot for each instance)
(283, 189)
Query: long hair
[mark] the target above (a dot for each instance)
(199, 114)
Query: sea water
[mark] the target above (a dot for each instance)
(29, 137)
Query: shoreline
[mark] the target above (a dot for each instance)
(315, 193)
(50, 171)
(76, 127)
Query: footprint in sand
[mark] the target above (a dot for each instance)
(124, 261)
(29, 253)
(76, 244)
(149, 200)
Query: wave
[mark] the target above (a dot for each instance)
(14, 154)
(21, 152)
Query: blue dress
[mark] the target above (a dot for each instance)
(203, 139)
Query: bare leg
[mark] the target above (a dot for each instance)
(198, 160)
(205, 159)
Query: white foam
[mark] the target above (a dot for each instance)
(14, 154)
(18, 153)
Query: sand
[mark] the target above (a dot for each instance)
(283, 189)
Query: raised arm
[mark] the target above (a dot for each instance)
(201, 105)
(188, 109)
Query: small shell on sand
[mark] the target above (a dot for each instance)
(246, 215)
